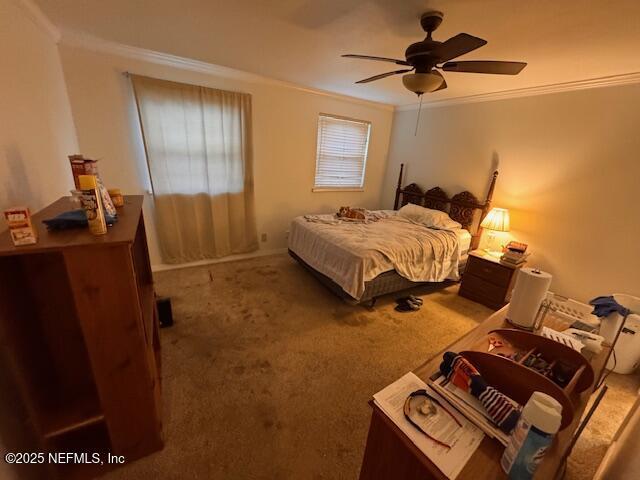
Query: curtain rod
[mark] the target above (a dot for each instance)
(128, 74)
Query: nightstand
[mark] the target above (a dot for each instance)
(487, 281)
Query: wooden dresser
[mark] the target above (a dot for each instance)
(487, 281)
(80, 343)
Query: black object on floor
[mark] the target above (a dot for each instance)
(164, 311)
(407, 305)
(411, 298)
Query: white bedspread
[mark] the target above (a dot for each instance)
(353, 253)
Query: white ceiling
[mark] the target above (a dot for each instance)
(301, 41)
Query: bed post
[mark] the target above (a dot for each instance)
(399, 187)
(487, 202)
(475, 241)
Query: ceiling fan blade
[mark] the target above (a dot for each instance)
(380, 59)
(383, 75)
(485, 66)
(456, 46)
(444, 82)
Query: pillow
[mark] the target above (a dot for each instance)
(428, 217)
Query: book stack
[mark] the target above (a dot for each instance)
(515, 254)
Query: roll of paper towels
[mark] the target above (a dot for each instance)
(529, 292)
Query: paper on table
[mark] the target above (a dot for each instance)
(439, 425)
(464, 440)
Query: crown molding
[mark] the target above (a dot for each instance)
(35, 14)
(610, 81)
(88, 42)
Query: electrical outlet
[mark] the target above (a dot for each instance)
(263, 237)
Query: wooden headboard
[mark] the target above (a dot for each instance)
(462, 207)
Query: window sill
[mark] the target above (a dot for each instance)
(337, 189)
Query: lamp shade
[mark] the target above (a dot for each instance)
(497, 219)
(422, 82)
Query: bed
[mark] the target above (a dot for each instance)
(361, 261)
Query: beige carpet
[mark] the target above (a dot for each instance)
(267, 375)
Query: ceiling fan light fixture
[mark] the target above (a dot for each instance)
(420, 83)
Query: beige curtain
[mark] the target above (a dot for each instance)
(199, 150)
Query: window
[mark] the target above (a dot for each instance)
(342, 153)
(194, 137)
(199, 153)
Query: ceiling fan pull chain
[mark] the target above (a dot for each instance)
(418, 119)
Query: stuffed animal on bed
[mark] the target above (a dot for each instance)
(353, 213)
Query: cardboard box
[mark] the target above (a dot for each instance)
(82, 166)
(20, 226)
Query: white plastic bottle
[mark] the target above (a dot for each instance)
(539, 422)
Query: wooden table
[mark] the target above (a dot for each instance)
(390, 454)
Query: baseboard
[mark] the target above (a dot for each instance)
(231, 258)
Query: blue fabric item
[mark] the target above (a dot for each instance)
(73, 219)
(605, 306)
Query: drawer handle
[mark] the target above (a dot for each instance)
(486, 270)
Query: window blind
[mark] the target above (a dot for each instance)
(342, 152)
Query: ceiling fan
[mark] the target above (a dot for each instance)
(426, 56)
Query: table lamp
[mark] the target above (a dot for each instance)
(497, 220)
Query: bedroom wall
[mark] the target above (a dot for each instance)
(284, 131)
(569, 173)
(36, 135)
(37, 130)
